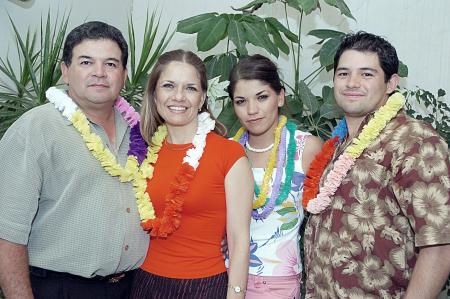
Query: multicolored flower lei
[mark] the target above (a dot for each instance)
(136, 167)
(242, 135)
(171, 218)
(317, 202)
(278, 197)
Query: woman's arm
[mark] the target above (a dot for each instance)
(239, 196)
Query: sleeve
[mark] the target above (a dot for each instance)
(20, 179)
(232, 151)
(422, 187)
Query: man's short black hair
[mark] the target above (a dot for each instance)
(94, 30)
(368, 42)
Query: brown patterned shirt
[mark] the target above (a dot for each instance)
(394, 200)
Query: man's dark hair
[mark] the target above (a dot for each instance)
(367, 42)
(94, 30)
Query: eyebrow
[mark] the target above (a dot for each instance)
(107, 59)
(173, 82)
(257, 94)
(360, 69)
(261, 92)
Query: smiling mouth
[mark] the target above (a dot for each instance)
(177, 108)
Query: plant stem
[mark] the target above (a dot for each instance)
(297, 72)
(292, 44)
(315, 76)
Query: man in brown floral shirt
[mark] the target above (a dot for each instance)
(386, 233)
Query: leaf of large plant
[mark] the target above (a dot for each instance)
(228, 118)
(294, 105)
(307, 97)
(402, 70)
(196, 23)
(277, 39)
(343, 8)
(329, 108)
(213, 32)
(256, 34)
(280, 27)
(326, 33)
(328, 51)
(255, 3)
(220, 65)
(307, 6)
(236, 33)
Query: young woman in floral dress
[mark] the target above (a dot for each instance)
(280, 156)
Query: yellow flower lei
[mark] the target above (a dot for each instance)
(131, 171)
(144, 203)
(261, 199)
(102, 154)
(382, 116)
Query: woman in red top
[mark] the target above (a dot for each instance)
(201, 187)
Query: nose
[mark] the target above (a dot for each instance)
(179, 93)
(99, 70)
(252, 107)
(353, 81)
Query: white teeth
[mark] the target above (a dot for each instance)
(177, 108)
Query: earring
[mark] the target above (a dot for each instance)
(199, 109)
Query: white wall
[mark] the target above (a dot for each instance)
(420, 30)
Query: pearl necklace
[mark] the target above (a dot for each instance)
(258, 150)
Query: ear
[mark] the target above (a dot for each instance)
(281, 97)
(204, 96)
(125, 76)
(392, 83)
(65, 73)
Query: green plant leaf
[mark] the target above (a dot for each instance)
(328, 50)
(277, 39)
(196, 23)
(329, 108)
(228, 118)
(402, 70)
(307, 6)
(307, 97)
(213, 32)
(280, 27)
(343, 8)
(255, 3)
(256, 34)
(294, 105)
(326, 33)
(220, 65)
(441, 92)
(236, 33)
(287, 210)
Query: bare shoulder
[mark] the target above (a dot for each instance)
(313, 146)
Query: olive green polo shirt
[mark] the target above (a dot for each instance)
(56, 198)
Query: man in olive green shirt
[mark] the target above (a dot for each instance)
(61, 213)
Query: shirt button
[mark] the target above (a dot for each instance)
(126, 247)
(264, 282)
(128, 210)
